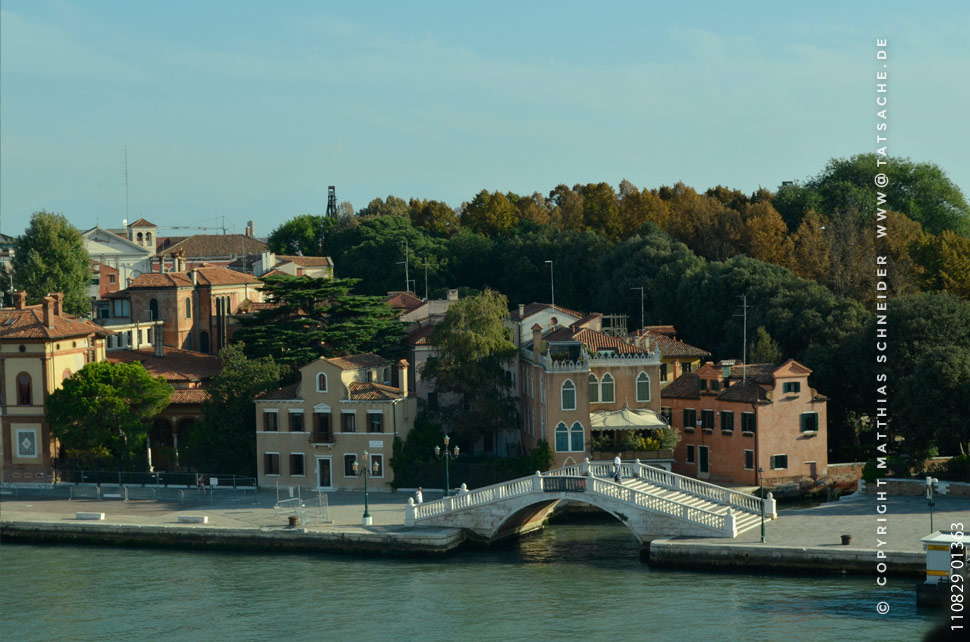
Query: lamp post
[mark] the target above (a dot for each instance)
(447, 456)
(930, 483)
(552, 283)
(761, 479)
(366, 469)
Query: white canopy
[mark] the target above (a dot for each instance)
(626, 418)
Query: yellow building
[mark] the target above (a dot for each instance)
(40, 346)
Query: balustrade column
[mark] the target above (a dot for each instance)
(409, 512)
(537, 482)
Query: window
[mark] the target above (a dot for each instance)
(348, 422)
(66, 374)
(377, 465)
(643, 387)
(296, 464)
(296, 421)
(375, 422)
(112, 278)
(715, 385)
(271, 463)
(349, 465)
(542, 389)
(576, 438)
(562, 438)
(707, 419)
(322, 382)
(24, 395)
(594, 389)
(323, 432)
(685, 366)
(792, 386)
(701, 384)
(779, 462)
(667, 414)
(188, 307)
(809, 421)
(607, 389)
(148, 238)
(568, 395)
(270, 421)
(690, 454)
(749, 460)
(26, 443)
(748, 422)
(663, 372)
(690, 419)
(727, 421)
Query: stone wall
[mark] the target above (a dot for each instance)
(917, 487)
(845, 474)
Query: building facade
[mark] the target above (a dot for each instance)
(738, 420)
(310, 433)
(40, 346)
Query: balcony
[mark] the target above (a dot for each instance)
(319, 438)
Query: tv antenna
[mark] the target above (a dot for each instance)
(744, 335)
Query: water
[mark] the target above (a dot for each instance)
(574, 582)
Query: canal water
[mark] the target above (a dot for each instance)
(574, 582)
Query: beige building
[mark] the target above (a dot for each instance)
(40, 346)
(310, 433)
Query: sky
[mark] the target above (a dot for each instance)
(230, 111)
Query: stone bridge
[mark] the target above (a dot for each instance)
(653, 503)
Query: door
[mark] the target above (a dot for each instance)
(323, 473)
(703, 460)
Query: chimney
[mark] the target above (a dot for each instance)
(521, 311)
(452, 295)
(19, 300)
(180, 261)
(195, 276)
(58, 303)
(536, 340)
(402, 376)
(250, 229)
(48, 307)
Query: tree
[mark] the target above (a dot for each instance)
(107, 405)
(930, 405)
(50, 257)
(318, 317)
(304, 234)
(764, 349)
(470, 346)
(225, 440)
(490, 213)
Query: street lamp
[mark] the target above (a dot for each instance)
(367, 518)
(552, 282)
(930, 483)
(447, 456)
(761, 479)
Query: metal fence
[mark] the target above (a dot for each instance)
(186, 480)
(313, 509)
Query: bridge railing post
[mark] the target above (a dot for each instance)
(730, 524)
(537, 482)
(585, 468)
(409, 512)
(770, 508)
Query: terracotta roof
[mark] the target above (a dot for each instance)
(593, 340)
(757, 372)
(208, 275)
(403, 301)
(359, 361)
(192, 396)
(28, 323)
(592, 316)
(285, 393)
(274, 272)
(683, 387)
(142, 223)
(532, 308)
(175, 365)
(748, 392)
(256, 306)
(671, 347)
(307, 261)
(366, 391)
(660, 329)
(419, 336)
(213, 245)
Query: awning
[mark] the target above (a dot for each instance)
(626, 418)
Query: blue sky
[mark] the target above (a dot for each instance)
(248, 110)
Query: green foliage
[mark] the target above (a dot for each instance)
(470, 346)
(319, 317)
(303, 234)
(107, 406)
(225, 440)
(764, 349)
(50, 257)
(634, 440)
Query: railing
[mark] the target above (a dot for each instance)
(321, 437)
(657, 504)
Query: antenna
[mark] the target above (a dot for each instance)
(642, 324)
(744, 346)
(126, 183)
(426, 279)
(331, 201)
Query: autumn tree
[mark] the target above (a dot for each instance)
(107, 405)
(50, 257)
(489, 213)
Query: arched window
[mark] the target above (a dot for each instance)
(594, 389)
(140, 238)
(643, 387)
(562, 438)
(607, 393)
(204, 342)
(66, 374)
(24, 396)
(322, 382)
(568, 395)
(188, 307)
(148, 238)
(577, 438)
(153, 309)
